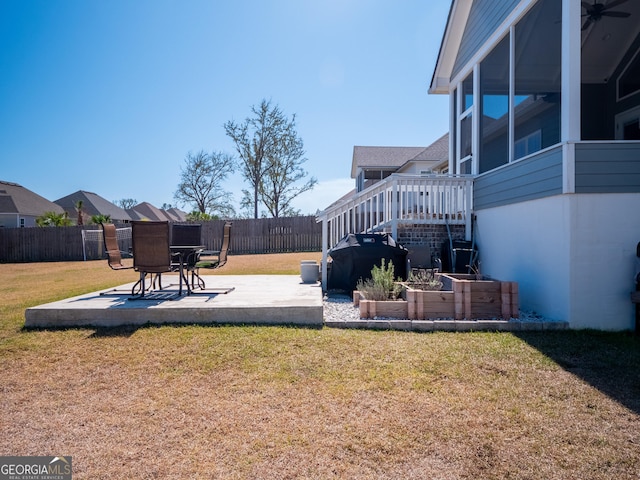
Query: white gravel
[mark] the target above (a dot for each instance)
(338, 307)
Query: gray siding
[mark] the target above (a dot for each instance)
(484, 18)
(608, 167)
(536, 177)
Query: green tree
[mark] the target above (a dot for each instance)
(53, 219)
(96, 219)
(201, 182)
(196, 216)
(271, 155)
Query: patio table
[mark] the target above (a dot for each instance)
(184, 253)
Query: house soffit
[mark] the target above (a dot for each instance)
(458, 15)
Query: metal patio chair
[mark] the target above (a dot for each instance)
(151, 256)
(112, 249)
(213, 258)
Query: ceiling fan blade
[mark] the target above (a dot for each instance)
(615, 3)
(616, 14)
(587, 23)
(586, 5)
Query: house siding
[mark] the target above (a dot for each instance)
(535, 177)
(484, 18)
(607, 167)
(9, 220)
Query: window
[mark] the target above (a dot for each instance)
(527, 145)
(467, 93)
(537, 73)
(22, 223)
(628, 125)
(515, 94)
(466, 127)
(629, 81)
(494, 95)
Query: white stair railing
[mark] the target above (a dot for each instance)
(396, 200)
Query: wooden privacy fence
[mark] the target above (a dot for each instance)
(248, 236)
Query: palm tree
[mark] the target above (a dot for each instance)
(79, 210)
(101, 219)
(53, 219)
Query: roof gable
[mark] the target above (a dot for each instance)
(146, 211)
(18, 200)
(92, 204)
(178, 214)
(382, 157)
(393, 158)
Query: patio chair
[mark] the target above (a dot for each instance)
(187, 235)
(216, 259)
(112, 249)
(213, 259)
(151, 254)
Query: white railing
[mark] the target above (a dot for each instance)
(399, 199)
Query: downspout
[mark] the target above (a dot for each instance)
(325, 250)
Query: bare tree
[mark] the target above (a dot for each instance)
(201, 183)
(281, 184)
(126, 203)
(271, 153)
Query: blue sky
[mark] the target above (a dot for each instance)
(109, 96)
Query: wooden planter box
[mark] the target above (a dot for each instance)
(477, 297)
(429, 304)
(378, 308)
(388, 309)
(463, 296)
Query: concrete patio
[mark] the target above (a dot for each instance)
(255, 299)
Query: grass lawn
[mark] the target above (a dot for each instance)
(274, 402)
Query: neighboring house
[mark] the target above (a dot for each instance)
(176, 214)
(146, 211)
(372, 164)
(545, 117)
(20, 207)
(92, 204)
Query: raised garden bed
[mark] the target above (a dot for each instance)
(383, 308)
(470, 297)
(479, 297)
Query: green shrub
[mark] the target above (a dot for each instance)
(382, 285)
(424, 280)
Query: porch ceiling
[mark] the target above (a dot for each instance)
(607, 40)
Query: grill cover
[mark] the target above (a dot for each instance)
(356, 254)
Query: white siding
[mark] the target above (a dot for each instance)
(572, 256)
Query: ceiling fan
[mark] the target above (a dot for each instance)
(595, 11)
